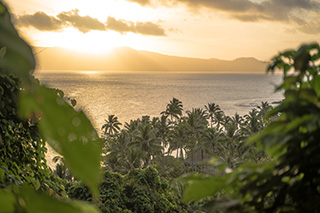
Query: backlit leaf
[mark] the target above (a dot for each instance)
(69, 132)
(39, 202)
(7, 201)
(3, 51)
(309, 95)
(18, 57)
(301, 61)
(199, 187)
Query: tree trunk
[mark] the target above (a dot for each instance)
(177, 151)
(181, 152)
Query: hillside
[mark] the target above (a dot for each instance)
(127, 59)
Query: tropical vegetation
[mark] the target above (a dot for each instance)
(289, 180)
(32, 115)
(182, 161)
(193, 138)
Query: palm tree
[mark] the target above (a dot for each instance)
(145, 119)
(211, 109)
(162, 128)
(252, 123)
(117, 149)
(132, 126)
(232, 148)
(145, 140)
(178, 138)
(174, 109)
(61, 170)
(202, 114)
(237, 119)
(218, 118)
(263, 110)
(122, 156)
(196, 123)
(134, 159)
(211, 138)
(112, 125)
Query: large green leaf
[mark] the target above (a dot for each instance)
(39, 202)
(7, 201)
(302, 58)
(18, 56)
(69, 132)
(199, 186)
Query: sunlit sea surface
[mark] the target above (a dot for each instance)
(130, 95)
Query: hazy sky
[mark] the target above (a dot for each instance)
(224, 29)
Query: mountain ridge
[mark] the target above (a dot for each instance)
(128, 59)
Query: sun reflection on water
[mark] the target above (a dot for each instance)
(89, 72)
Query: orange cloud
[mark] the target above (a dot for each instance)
(144, 28)
(40, 21)
(84, 24)
(302, 13)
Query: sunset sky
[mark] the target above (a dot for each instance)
(223, 29)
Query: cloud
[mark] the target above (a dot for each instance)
(142, 2)
(299, 12)
(40, 21)
(144, 28)
(84, 24)
(279, 10)
(226, 5)
(120, 25)
(149, 28)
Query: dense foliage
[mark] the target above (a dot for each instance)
(141, 190)
(291, 181)
(31, 115)
(277, 169)
(22, 152)
(195, 137)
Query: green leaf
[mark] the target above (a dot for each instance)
(291, 95)
(309, 95)
(18, 58)
(290, 81)
(69, 132)
(1, 170)
(289, 53)
(3, 51)
(199, 187)
(296, 123)
(7, 201)
(301, 60)
(316, 84)
(39, 202)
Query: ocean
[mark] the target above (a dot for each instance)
(130, 95)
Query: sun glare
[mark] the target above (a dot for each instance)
(92, 42)
(97, 42)
(90, 72)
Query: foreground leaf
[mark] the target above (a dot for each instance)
(200, 186)
(39, 202)
(7, 201)
(17, 54)
(69, 132)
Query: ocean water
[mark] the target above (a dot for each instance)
(130, 95)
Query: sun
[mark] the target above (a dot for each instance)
(94, 42)
(97, 42)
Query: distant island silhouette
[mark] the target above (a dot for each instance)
(128, 59)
